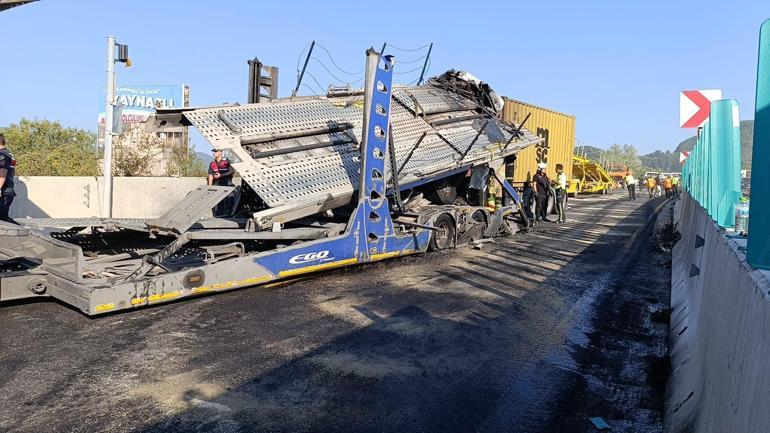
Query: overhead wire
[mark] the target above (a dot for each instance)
(310, 88)
(427, 68)
(360, 74)
(409, 71)
(409, 50)
(334, 76)
(409, 62)
(299, 58)
(328, 53)
(316, 81)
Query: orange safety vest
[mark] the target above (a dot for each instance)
(650, 182)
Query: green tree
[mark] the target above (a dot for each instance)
(661, 161)
(627, 155)
(132, 152)
(184, 163)
(46, 148)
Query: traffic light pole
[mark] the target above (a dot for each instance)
(108, 121)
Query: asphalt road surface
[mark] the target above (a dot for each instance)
(535, 333)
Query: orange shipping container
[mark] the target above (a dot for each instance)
(557, 130)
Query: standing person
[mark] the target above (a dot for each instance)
(7, 173)
(527, 197)
(220, 170)
(675, 186)
(477, 185)
(221, 174)
(542, 185)
(631, 185)
(668, 185)
(561, 194)
(651, 184)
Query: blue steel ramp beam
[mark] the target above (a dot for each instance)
(370, 235)
(374, 147)
(758, 249)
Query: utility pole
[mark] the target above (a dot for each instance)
(109, 104)
(109, 107)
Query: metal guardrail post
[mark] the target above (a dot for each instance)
(758, 249)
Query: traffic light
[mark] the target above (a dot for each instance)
(123, 55)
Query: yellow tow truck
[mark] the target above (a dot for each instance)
(589, 177)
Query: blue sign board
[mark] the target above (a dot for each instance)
(140, 100)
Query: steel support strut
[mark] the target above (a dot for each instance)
(376, 213)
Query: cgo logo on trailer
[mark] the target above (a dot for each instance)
(318, 256)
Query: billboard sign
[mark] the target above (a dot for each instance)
(138, 101)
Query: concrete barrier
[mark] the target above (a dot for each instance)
(81, 197)
(720, 332)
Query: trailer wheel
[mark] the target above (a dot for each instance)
(442, 238)
(481, 220)
(577, 191)
(479, 216)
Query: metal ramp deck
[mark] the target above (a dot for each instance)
(301, 156)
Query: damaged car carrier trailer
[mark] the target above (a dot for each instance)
(326, 182)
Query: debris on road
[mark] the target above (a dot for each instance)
(599, 423)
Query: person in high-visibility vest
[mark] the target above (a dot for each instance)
(668, 185)
(675, 186)
(631, 185)
(561, 194)
(651, 184)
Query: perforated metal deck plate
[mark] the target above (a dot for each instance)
(296, 178)
(66, 223)
(431, 100)
(191, 209)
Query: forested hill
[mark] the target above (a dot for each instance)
(747, 143)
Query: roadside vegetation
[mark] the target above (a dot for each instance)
(46, 148)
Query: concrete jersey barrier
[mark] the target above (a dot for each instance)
(720, 332)
(80, 197)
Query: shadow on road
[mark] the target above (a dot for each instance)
(521, 361)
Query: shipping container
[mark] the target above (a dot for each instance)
(557, 130)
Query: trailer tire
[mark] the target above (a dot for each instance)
(481, 218)
(445, 236)
(521, 212)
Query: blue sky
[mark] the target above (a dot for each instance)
(617, 65)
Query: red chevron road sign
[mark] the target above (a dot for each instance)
(695, 106)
